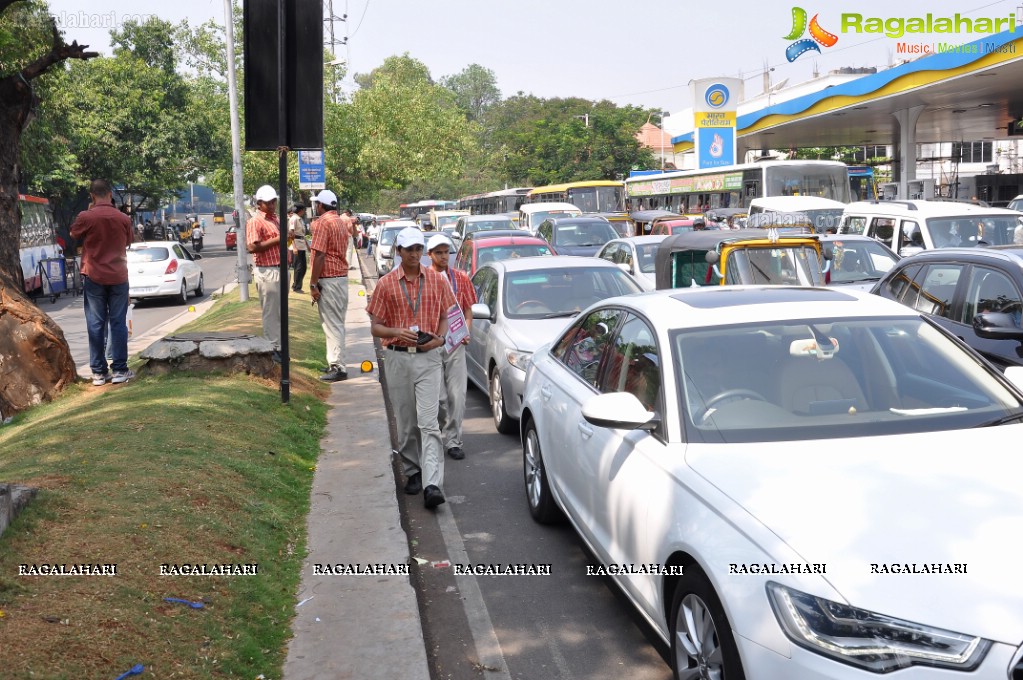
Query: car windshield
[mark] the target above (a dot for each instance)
(387, 236)
(445, 220)
(967, 232)
(549, 293)
(489, 225)
(150, 254)
(857, 261)
(595, 233)
(793, 265)
(495, 253)
(822, 379)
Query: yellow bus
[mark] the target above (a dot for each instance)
(592, 196)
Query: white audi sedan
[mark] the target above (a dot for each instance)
(788, 482)
(163, 269)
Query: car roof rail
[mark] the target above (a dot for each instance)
(968, 201)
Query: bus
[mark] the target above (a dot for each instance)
(593, 196)
(503, 201)
(409, 211)
(693, 192)
(861, 183)
(38, 239)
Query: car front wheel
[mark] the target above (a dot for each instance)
(538, 491)
(702, 645)
(502, 421)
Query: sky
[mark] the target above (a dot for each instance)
(638, 52)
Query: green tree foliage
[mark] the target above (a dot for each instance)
(546, 141)
(475, 89)
(409, 128)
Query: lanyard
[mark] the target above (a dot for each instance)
(408, 298)
(454, 282)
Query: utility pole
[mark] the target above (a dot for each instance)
(236, 157)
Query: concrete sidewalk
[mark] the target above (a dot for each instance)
(361, 627)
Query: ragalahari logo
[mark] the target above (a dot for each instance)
(803, 45)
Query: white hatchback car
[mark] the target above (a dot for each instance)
(788, 482)
(163, 269)
(636, 255)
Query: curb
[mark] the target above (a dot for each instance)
(346, 626)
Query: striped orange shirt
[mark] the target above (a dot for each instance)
(460, 284)
(330, 237)
(401, 302)
(260, 228)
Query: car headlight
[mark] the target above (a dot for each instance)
(875, 642)
(519, 360)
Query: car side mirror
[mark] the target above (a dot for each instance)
(196, 256)
(481, 311)
(625, 267)
(620, 411)
(997, 326)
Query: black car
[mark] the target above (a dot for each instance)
(975, 293)
(576, 235)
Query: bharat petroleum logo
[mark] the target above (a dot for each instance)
(803, 45)
(716, 96)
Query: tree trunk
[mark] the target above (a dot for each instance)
(35, 360)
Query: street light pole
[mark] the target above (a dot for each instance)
(663, 134)
(236, 157)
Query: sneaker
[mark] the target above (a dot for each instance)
(456, 453)
(122, 377)
(100, 379)
(334, 374)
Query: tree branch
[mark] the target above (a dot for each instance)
(59, 51)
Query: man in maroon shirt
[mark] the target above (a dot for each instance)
(105, 233)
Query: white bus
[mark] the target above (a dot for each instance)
(693, 192)
(38, 239)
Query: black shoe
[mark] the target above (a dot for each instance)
(456, 452)
(414, 484)
(432, 497)
(334, 374)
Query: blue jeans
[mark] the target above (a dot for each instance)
(107, 305)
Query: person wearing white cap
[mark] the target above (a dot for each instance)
(452, 396)
(409, 313)
(263, 240)
(328, 282)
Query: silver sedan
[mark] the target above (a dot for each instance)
(524, 303)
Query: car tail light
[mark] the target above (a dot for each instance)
(172, 267)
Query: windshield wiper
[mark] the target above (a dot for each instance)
(1001, 421)
(559, 315)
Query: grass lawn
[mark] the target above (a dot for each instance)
(189, 469)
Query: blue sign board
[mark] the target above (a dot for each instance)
(716, 147)
(312, 173)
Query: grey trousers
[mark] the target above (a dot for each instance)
(268, 283)
(452, 398)
(333, 306)
(414, 383)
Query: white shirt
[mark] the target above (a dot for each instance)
(296, 226)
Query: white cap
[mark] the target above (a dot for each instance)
(439, 240)
(409, 236)
(326, 197)
(266, 193)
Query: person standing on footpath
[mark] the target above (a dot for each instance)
(328, 282)
(263, 240)
(104, 234)
(409, 312)
(297, 234)
(451, 410)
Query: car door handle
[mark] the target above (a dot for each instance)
(546, 392)
(586, 430)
